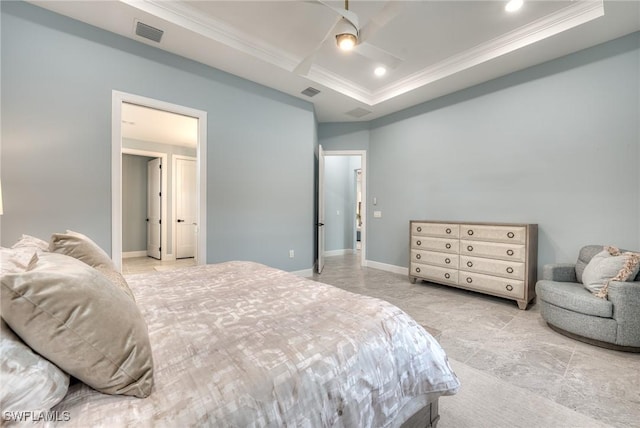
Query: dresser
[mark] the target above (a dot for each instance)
(492, 258)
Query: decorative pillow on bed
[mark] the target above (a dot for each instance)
(28, 241)
(609, 265)
(81, 247)
(15, 260)
(29, 382)
(72, 315)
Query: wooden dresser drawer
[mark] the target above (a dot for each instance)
(444, 245)
(514, 234)
(436, 229)
(435, 258)
(434, 273)
(506, 287)
(507, 269)
(495, 250)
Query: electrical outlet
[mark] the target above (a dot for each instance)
(291, 254)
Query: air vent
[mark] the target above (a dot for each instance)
(358, 112)
(148, 32)
(310, 92)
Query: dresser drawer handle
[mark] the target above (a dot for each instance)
(419, 229)
(509, 287)
(418, 242)
(448, 230)
(447, 260)
(509, 252)
(509, 269)
(418, 256)
(470, 232)
(510, 235)
(469, 248)
(469, 280)
(446, 275)
(448, 246)
(470, 264)
(418, 269)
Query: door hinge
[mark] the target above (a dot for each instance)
(147, 220)
(160, 221)
(160, 166)
(160, 249)
(160, 194)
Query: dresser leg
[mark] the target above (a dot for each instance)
(412, 279)
(522, 304)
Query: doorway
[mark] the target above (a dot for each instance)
(120, 102)
(341, 219)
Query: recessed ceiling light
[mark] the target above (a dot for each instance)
(380, 71)
(514, 5)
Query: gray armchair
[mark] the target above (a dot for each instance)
(569, 308)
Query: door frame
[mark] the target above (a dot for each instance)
(163, 207)
(174, 226)
(117, 98)
(363, 211)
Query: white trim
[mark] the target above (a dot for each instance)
(164, 255)
(339, 252)
(132, 254)
(306, 273)
(386, 267)
(363, 213)
(174, 225)
(117, 98)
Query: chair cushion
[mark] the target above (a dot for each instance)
(574, 297)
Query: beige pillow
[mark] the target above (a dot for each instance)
(28, 241)
(72, 315)
(29, 382)
(609, 265)
(81, 247)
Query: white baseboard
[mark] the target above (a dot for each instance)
(386, 267)
(306, 273)
(131, 254)
(339, 252)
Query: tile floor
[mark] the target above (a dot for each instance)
(492, 335)
(148, 264)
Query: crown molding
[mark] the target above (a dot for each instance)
(181, 14)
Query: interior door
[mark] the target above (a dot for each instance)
(186, 218)
(154, 211)
(320, 224)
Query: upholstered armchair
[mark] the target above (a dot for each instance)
(570, 308)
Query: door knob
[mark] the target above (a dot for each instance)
(180, 220)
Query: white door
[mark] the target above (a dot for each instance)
(320, 224)
(186, 218)
(154, 204)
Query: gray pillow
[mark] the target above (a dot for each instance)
(83, 248)
(72, 315)
(29, 382)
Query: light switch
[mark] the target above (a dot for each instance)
(375, 201)
(377, 214)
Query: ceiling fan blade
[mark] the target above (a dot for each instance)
(382, 18)
(305, 65)
(376, 54)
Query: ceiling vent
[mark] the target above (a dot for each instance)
(148, 32)
(310, 92)
(358, 112)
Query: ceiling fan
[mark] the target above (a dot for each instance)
(350, 36)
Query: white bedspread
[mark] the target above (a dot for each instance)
(239, 344)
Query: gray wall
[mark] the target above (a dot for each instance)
(557, 144)
(134, 202)
(57, 80)
(340, 199)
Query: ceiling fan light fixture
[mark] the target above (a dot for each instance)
(346, 35)
(513, 5)
(346, 41)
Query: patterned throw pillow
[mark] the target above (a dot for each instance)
(609, 265)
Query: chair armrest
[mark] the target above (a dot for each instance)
(625, 297)
(563, 272)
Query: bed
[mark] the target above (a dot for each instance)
(240, 344)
